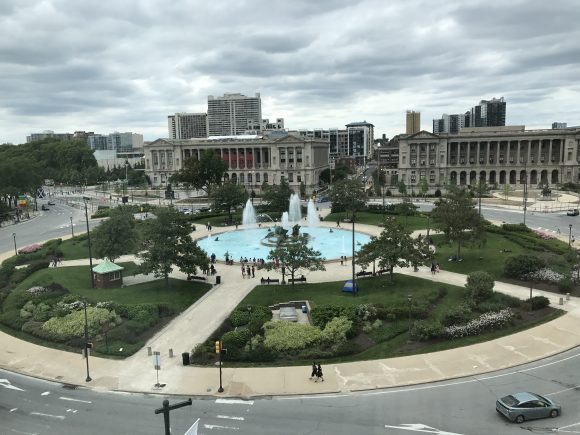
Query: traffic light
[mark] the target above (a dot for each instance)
(218, 346)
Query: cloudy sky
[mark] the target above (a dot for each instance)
(124, 65)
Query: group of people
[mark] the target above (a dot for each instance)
(208, 226)
(316, 373)
(248, 271)
(342, 260)
(435, 268)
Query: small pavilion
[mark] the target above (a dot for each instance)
(108, 274)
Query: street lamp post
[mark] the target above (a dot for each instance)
(428, 228)
(72, 231)
(570, 237)
(249, 307)
(87, 344)
(410, 300)
(354, 289)
(15, 250)
(89, 241)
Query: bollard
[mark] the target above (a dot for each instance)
(149, 353)
(567, 296)
(561, 301)
(170, 353)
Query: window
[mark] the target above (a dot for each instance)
(569, 155)
(250, 178)
(266, 177)
(299, 178)
(257, 178)
(290, 177)
(241, 178)
(403, 159)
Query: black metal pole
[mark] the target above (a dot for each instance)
(249, 324)
(410, 299)
(71, 227)
(15, 250)
(88, 379)
(570, 237)
(354, 289)
(89, 241)
(221, 388)
(166, 409)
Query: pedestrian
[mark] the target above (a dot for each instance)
(248, 271)
(338, 222)
(432, 268)
(437, 269)
(319, 373)
(341, 261)
(253, 271)
(243, 272)
(314, 371)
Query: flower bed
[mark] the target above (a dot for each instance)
(483, 323)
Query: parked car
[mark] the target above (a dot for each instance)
(50, 203)
(573, 212)
(44, 207)
(520, 407)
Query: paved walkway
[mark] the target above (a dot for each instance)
(137, 374)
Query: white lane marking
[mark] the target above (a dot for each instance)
(23, 433)
(40, 414)
(570, 425)
(562, 391)
(6, 384)
(13, 409)
(46, 393)
(422, 428)
(235, 401)
(228, 417)
(216, 426)
(75, 400)
(74, 411)
(432, 387)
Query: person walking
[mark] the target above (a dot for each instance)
(314, 371)
(248, 271)
(253, 271)
(319, 373)
(437, 269)
(243, 272)
(432, 268)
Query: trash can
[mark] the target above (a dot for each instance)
(218, 279)
(304, 309)
(185, 358)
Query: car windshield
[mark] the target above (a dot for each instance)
(542, 398)
(509, 400)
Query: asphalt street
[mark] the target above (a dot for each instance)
(464, 406)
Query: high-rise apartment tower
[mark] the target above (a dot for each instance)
(233, 114)
(413, 122)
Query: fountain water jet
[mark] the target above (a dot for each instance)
(312, 215)
(249, 214)
(294, 212)
(285, 220)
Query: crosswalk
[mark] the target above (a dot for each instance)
(231, 420)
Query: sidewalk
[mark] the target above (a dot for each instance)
(136, 374)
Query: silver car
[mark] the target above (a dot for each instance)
(520, 407)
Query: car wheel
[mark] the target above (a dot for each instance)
(554, 413)
(520, 419)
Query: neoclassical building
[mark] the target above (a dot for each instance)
(252, 160)
(495, 155)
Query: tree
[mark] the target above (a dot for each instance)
(423, 186)
(277, 197)
(455, 215)
(293, 255)
(204, 173)
(479, 286)
(167, 242)
(116, 236)
(402, 188)
(507, 189)
(347, 195)
(394, 247)
(228, 196)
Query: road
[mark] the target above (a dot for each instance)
(464, 406)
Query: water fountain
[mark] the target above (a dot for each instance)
(312, 215)
(285, 220)
(249, 214)
(294, 212)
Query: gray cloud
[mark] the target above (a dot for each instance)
(105, 66)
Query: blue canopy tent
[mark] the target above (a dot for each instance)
(348, 287)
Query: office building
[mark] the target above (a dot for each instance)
(451, 123)
(187, 125)
(252, 159)
(559, 125)
(495, 155)
(413, 124)
(233, 114)
(360, 140)
(488, 113)
(81, 135)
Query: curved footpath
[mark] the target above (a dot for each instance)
(137, 374)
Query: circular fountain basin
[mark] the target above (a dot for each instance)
(250, 243)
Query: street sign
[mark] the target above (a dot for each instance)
(193, 429)
(157, 360)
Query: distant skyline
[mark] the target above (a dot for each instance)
(122, 66)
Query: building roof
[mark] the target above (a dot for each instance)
(107, 267)
(359, 124)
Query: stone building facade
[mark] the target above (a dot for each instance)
(495, 155)
(252, 160)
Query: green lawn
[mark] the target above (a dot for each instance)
(180, 295)
(412, 223)
(375, 290)
(76, 248)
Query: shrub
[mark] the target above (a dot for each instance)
(518, 266)
(521, 228)
(335, 331)
(365, 312)
(480, 286)
(565, 285)
(424, 330)
(347, 348)
(285, 336)
(545, 274)
(73, 324)
(235, 339)
(485, 322)
(239, 318)
(323, 314)
(539, 302)
(437, 193)
(456, 316)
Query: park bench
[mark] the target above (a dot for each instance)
(301, 279)
(364, 273)
(197, 278)
(269, 281)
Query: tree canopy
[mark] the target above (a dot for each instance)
(394, 247)
(204, 173)
(277, 196)
(457, 217)
(116, 236)
(167, 242)
(293, 255)
(347, 195)
(228, 196)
